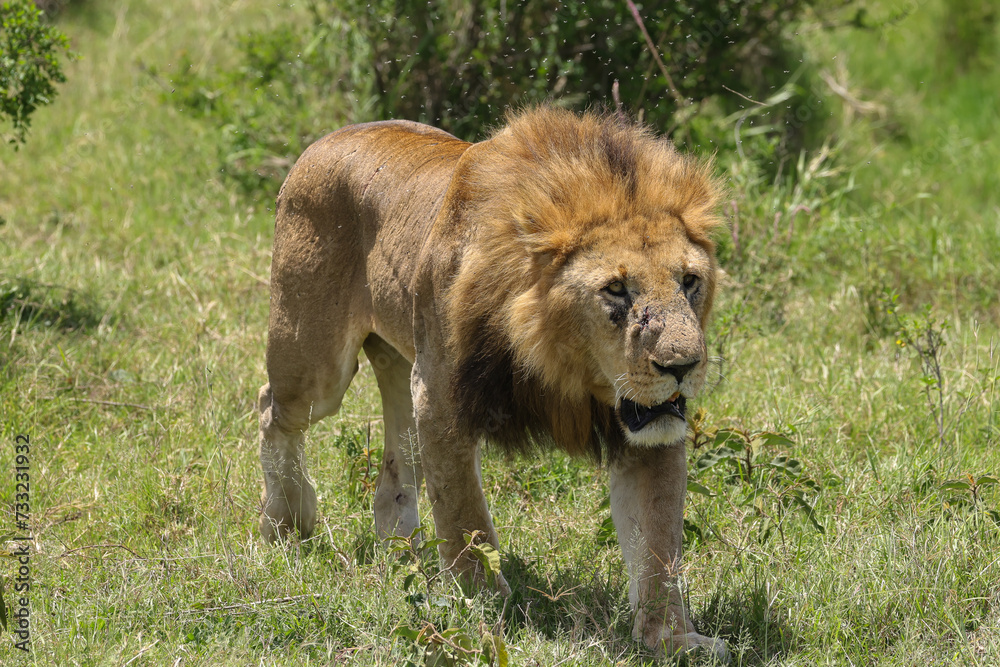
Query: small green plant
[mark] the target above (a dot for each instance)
(924, 335)
(419, 557)
(453, 646)
(362, 476)
(431, 645)
(769, 485)
(966, 492)
(30, 68)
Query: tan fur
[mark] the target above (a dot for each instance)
(533, 288)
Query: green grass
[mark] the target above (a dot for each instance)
(133, 307)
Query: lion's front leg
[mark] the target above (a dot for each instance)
(451, 470)
(647, 506)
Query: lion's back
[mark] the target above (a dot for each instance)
(354, 211)
(369, 173)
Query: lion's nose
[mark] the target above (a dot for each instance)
(678, 370)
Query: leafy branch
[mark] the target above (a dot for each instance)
(967, 491)
(770, 485)
(29, 64)
(452, 645)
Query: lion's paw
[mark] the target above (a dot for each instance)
(278, 518)
(696, 644)
(660, 636)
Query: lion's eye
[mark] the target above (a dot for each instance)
(617, 288)
(689, 281)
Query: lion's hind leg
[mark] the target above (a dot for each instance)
(305, 386)
(400, 477)
(289, 500)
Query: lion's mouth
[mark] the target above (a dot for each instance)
(636, 416)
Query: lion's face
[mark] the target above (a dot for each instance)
(626, 316)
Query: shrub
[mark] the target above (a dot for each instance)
(460, 66)
(29, 64)
(968, 33)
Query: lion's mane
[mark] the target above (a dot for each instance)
(549, 179)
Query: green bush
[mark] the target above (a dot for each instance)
(29, 64)
(969, 33)
(461, 66)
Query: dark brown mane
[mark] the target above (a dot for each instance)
(509, 409)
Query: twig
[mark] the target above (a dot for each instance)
(248, 605)
(656, 54)
(619, 107)
(173, 559)
(114, 404)
(141, 651)
(554, 597)
(760, 104)
(860, 106)
(100, 546)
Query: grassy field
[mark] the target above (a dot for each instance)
(133, 307)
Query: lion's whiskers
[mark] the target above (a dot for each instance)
(620, 384)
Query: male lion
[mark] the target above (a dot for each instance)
(547, 286)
